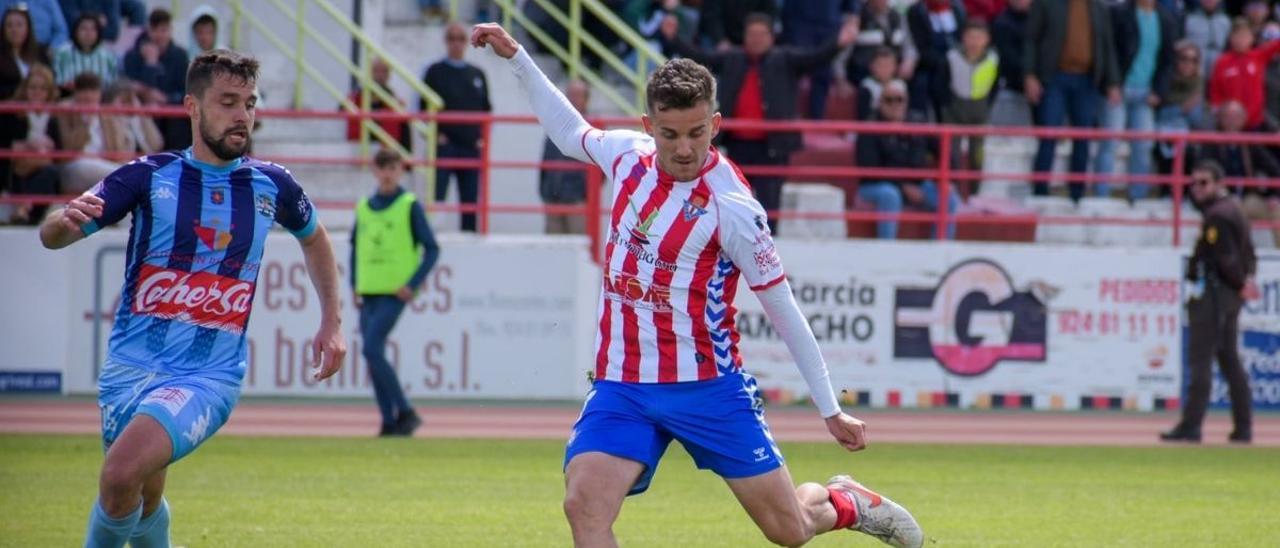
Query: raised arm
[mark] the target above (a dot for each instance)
(563, 123)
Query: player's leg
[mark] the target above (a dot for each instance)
(787, 515)
(142, 449)
(613, 452)
(152, 530)
(595, 486)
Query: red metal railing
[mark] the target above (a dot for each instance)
(943, 174)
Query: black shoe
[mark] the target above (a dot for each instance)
(1180, 435)
(407, 423)
(387, 430)
(1240, 437)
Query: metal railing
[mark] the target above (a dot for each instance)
(571, 53)
(943, 174)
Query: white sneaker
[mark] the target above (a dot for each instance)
(878, 516)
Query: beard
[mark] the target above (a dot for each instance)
(219, 145)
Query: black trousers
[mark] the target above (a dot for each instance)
(468, 181)
(1215, 333)
(767, 188)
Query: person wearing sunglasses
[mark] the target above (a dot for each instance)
(879, 150)
(1222, 267)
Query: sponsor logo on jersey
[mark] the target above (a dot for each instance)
(172, 399)
(163, 193)
(197, 298)
(630, 290)
(212, 237)
(971, 321)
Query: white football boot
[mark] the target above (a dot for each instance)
(878, 516)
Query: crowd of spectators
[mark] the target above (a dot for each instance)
(88, 53)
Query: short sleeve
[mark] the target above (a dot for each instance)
(746, 240)
(121, 192)
(604, 147)
(294, 210)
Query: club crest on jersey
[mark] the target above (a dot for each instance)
(694, 207)
(266, 206)
(217, 197)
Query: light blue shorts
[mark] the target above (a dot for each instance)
(189, 407)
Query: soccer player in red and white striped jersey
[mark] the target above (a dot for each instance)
(683, 229)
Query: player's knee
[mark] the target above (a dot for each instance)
(582, 512)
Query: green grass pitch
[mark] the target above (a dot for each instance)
(429, 492)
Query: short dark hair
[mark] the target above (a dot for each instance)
(756, 17)
(87, 81)
(205, 19)
(977, 23)
(387, 157)
(679, 84)
(883, 51)
(216, 62)
(1212, 167)
(159, 16)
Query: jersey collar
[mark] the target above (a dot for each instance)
(189, 157)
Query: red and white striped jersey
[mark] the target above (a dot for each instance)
(672, 259)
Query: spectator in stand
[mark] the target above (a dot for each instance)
(758, 82)
(972, 69)
(84, 132)
(721, 22)
(884, 65)
(1239, 74)
(810, 24)
(47, 22)
(1144, 36)
(1271, 33)
(1252, 162)
(985, 10)
(1070, 59)
(128, 135)
(85, 53)
(380, 72)
(1257, 14)
(647, 18)
(31, 131)
(561, 187)
(1009, 31)
(1208, 28)
(110, 13)
(160, 66)
(1182, 105)
(879, 25)
(935, 27)
(881, 150)
(204, 29)
(18, 51)
(463, 87)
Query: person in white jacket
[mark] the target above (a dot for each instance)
(683, 227)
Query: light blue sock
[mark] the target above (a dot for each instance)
(108, 532)
(152, 531)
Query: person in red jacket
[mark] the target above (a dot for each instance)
(1238, 74)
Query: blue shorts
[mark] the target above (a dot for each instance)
(189, 407)
(719, 422)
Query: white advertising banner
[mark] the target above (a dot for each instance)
(498, 318)
(971, 325)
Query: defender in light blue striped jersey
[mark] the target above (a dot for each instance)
(176, 356)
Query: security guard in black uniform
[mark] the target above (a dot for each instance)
(1223, 267)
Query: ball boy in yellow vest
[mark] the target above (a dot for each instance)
(392, 249)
